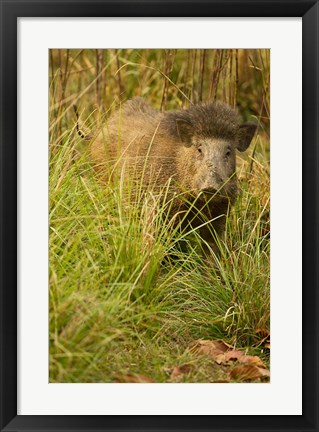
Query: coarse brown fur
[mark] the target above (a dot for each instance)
(193, 150)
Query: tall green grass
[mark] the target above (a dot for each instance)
(125, 298)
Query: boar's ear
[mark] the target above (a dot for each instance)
(185, 131)
(245, 135)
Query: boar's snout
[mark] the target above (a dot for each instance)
(216, 185)
(212, 182)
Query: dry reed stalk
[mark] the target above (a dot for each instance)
(60, 86)
(104, 78)
(231, 82)
(217, 73)
(236, 78)
(202, 54)
(52, 76)
(186, 76)
(65, 75)
(99, 62)
(224, 80)
(266, 83)
(193, 98)
(79, 83)
(119, 76)
(252, 158)
(212, 74)
(167, 70)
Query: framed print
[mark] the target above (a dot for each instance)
(158, 208)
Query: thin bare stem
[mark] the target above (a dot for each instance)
(201, 74)
(236, 78)
(119, 78)
(193, 76)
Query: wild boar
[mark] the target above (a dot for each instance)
(194, 149)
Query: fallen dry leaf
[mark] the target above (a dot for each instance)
(235, 355)
(179, 371)
(249, 372)
(133, 378)
(252, 360)
(224, 354)
(229, 356)
(210, 348)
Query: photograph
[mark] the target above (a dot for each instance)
(159, 215)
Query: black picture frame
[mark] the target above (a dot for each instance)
(10, 11)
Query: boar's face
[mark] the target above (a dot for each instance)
(212, 159)
(214, 166)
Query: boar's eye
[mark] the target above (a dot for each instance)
(199, 150)
(228, 153)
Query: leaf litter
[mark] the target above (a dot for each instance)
(249, 368)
